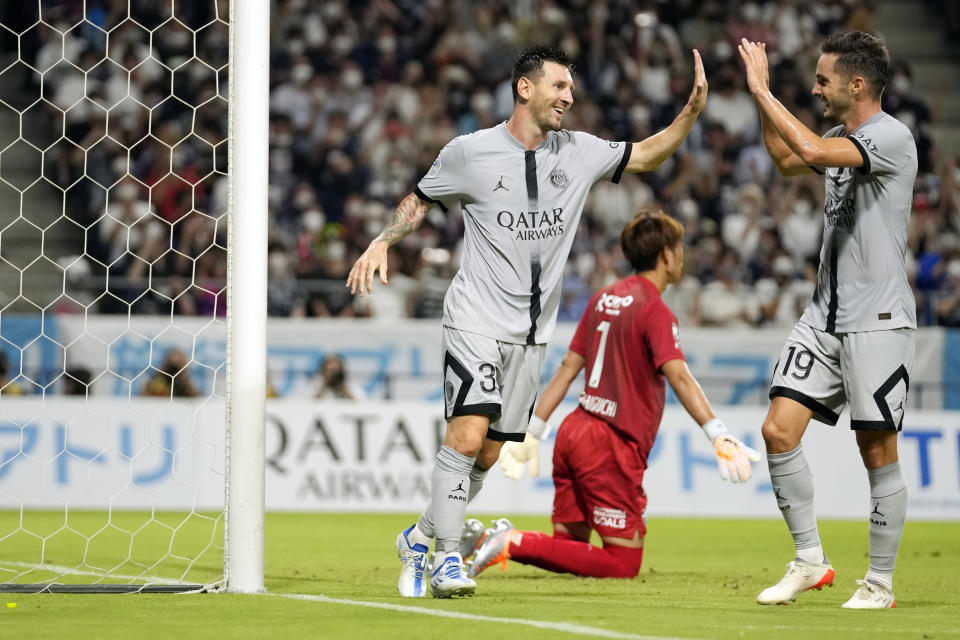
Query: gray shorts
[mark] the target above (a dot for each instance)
(483, 376)
(869, 370)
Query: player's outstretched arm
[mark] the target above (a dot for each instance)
(733, 457)
(556, 389)
(650, 153)
(688, 390)
(810, 148)
(406, 219)
(787, 162)
(515, 456)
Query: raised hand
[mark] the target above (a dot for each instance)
(754, 56)
(698, 95)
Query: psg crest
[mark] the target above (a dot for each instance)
(559, 179)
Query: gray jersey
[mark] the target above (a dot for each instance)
(521, 208)
(862, 282)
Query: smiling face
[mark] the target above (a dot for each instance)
(832, 88)
(549, 95)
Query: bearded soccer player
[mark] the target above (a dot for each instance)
(521, 186)
(628, 343)
(854, 343)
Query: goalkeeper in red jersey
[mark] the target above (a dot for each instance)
(628, 343)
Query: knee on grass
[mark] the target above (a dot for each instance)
(626, 560)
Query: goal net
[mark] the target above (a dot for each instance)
(114, 193)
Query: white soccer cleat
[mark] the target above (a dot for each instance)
(450, 578)
(413, 566)
(871, 595)
(495, 547)
(471, 537)
(801, 576)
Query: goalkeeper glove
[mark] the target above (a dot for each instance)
(514, 456)
(733, 457)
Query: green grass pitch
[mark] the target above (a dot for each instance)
(699, 580)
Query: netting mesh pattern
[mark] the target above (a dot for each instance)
(113, 156)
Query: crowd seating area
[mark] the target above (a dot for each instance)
(364, 94)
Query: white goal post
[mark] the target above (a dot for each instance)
(133, 170)
(247, 296)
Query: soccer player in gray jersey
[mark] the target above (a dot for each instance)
(521, 186)
(854, 342)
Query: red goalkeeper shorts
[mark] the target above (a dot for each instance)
(598, 477)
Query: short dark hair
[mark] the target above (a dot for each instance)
(529, 64)
(649, 233)
(861, 54)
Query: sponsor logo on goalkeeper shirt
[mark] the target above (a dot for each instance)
(533, 225)
(612, 518)
(598, 405)
(611, 304)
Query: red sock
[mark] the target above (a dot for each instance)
(563, 554)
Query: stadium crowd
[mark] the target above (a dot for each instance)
(364, 94)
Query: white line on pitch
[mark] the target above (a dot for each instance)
(567, 627)
(53, 568)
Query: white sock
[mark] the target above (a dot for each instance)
(450, 486)
(477, 476)
(888, 512)
(812, 554)
(793, 490)
(880, 577)
(416, 536)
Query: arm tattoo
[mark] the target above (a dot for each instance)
(409, 215)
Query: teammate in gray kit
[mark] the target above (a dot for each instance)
(854, 343)
(521, 186)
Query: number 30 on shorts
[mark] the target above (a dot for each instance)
(801, 360)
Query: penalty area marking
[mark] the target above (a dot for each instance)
(567, 627)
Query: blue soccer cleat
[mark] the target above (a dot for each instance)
(450, 578)
(413, 566)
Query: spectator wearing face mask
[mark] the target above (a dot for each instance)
(800, 220)
(783, 296)
(727, 302)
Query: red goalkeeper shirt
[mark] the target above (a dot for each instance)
(626, 334)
